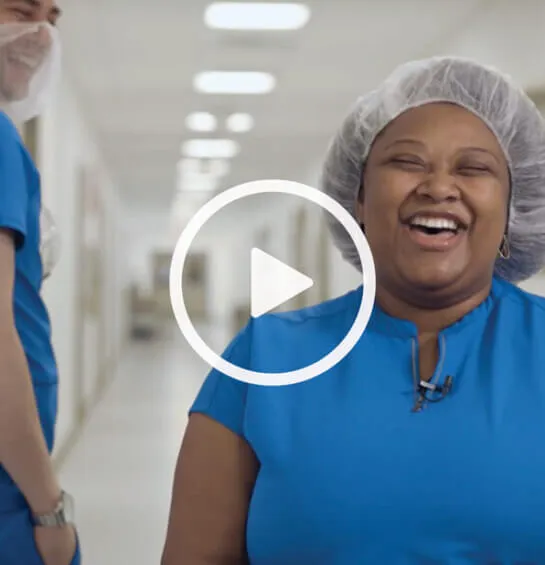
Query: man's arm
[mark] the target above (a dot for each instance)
(23, 450)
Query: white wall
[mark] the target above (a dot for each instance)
(535, 285)
(147, 231)
(65, 143)
(506, 35)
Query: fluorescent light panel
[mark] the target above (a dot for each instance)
(234, 82)
(210, 148)
(201, 121)
(239, 123)
(256, 15)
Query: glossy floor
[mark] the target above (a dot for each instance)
(121, 468)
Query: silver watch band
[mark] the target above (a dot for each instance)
(61, 516)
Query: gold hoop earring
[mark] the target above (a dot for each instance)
(504, 251)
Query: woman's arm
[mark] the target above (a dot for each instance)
(213, 483)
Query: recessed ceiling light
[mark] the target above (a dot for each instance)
(210, 148)
(239, 123)
(256, 15)
(234, 82)
(201, 121)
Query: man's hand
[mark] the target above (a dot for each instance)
(56, 546)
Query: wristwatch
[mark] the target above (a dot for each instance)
(61, 516)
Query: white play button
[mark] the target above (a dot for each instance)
(273, 283)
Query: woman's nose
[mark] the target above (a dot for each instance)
(439, 186)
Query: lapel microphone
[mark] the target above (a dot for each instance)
(424, 388)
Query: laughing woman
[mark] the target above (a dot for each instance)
(444, 167)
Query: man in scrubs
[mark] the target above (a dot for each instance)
(35, 513)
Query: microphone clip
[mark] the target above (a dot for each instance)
(425, 387)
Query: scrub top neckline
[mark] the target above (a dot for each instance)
(384, 323)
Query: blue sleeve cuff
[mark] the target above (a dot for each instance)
(17, 228)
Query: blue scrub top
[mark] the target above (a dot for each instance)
(20, 206)
(349, 474)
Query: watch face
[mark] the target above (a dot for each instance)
(68, 507)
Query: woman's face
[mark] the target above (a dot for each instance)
(434, 201)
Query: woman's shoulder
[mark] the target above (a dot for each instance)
(525, 296)
(330, 313)
(521, 306)
(285, 341)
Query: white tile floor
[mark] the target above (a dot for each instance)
(121, 469)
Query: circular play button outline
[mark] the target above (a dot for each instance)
(279, 187)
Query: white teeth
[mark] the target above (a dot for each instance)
(435, 223)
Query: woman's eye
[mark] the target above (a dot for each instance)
(474, 169)
(407, 162)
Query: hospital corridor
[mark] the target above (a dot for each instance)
(122, 463)
(273, 272)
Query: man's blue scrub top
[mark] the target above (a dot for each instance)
(350, 475)
(20, 205)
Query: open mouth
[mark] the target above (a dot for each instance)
(434, 226)
(435, 233)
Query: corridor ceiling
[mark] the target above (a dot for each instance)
(132, 64)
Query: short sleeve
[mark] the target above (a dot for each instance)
(221, 397)
(13, 182)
